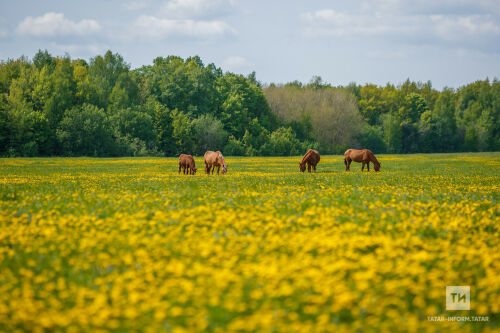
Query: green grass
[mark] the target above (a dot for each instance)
(127, 243)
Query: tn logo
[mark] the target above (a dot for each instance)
(457, 297)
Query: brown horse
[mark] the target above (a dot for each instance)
(186, 162)
(214, 159)
(364, 156)
(311, 158)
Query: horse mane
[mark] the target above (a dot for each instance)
(222, 157)
(306, 156)
(373, 158)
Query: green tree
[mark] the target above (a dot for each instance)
(133, 124)
(234, 147)
(86, 130)
(371, 137)
(103, 72)
(210, 134)
(162, 126)
(63, 92)
(183, 133)
(282, 142)
(44, 59)
(392, 132)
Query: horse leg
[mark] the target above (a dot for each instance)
(218, 169)
(348, 164)
(179, 168)
(363, 166)
(308, 167)
(314, 168)
(368, 164)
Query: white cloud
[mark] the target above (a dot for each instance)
(184, 9)
(328, 22)
(136, 5)
(55, 24)
(236, 63)
(457, 28)
(431, 7)
(154, 27)
(79, 50)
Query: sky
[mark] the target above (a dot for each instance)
(449, 42)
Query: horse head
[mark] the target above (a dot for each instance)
(302, 167)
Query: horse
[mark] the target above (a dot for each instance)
(214, 159)
(311, 158)
(186, 162)
(364, 156)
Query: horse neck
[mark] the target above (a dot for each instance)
(222, 159)
(373, 159)
(306, 156)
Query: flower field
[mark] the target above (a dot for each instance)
(127, 245)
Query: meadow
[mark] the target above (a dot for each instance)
(127, 244)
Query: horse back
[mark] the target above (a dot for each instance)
(186, 160)
(211, 157)
(313, 157)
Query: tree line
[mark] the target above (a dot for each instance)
(58, 106)
(410, 118)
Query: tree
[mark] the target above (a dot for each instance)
(162, 126)
(413, 108)
(282, 142)
(182, 132)
(132, 124)
(234, 147)
(63, 92)
(103, 72)
(86, 130)
(5, 127)
(181, 105)
(392, 132)
(44, 59)
(445, 121)
(371, 137)
(331, 112)
(210, 134)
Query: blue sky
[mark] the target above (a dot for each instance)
(450, 42)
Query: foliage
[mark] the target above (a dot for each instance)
(210, 133)
(322, 113)
(414, 117)
(85, 129)
(178, 105)
(282, 142)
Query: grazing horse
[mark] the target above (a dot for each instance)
(186, 162)
(311, 158)
(214, 159)
(364, 156)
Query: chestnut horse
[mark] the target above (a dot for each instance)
(311, 158)
(214, 159)
(364, 156)
(186, 162)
